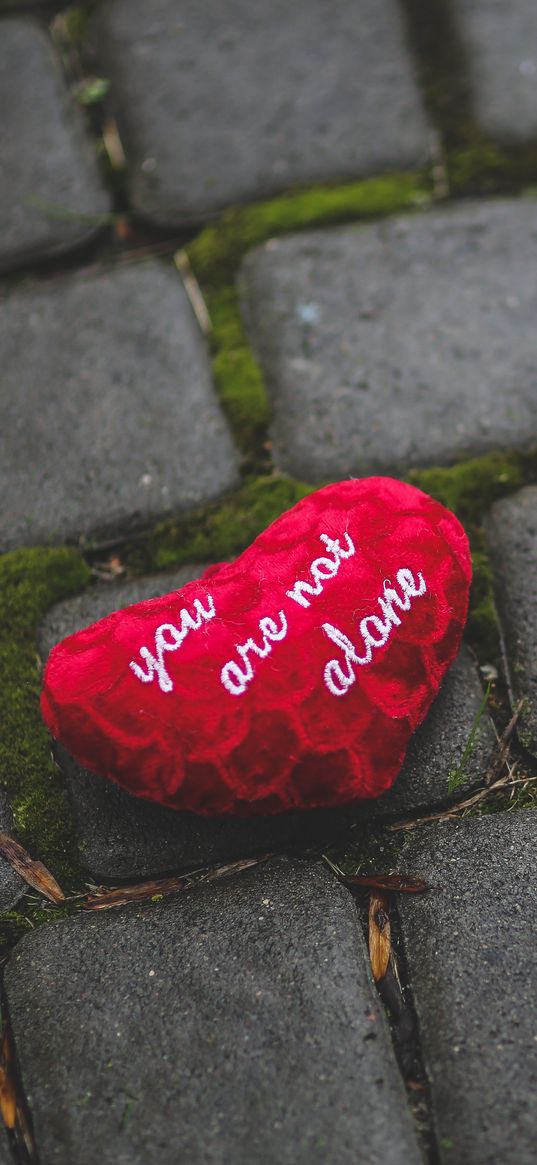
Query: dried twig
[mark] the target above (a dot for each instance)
(454, 811)
(193, 291)
(33, 872)
(501, 751)
(105, 899)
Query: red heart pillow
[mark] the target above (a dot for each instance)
(294, 676)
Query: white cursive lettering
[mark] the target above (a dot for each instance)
(168, 637)
(321, 569)
(375, 632)
(235, 678)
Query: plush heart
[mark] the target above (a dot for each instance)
(294, 676)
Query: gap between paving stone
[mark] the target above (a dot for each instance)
(470, 945)
(235, 1023)
(511, 531)
(121, 836)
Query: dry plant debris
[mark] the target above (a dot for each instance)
(105, 899)
(12, 1103)
(33, 872)
(380, 945)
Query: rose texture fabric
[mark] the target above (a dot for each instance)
(291, 677)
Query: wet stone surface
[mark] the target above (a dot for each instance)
(398, 344)
(229, 101)
(512, 536)
(50, 193)
(470, 946)
(121, 836)
(236, 1022)
(501, 49)
(106, 392)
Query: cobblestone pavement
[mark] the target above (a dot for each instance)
(246, 249)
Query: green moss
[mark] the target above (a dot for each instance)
(30, 582)
(371, 851)
(219, 531)
(76, 24)
(483, 167)
(236, 372)
(477, 168)
(215, 255)
(470, 487)
(14, 924)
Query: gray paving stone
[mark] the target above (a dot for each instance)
(120, 836)
(234, 1023)
(512, 535)
(470, 945)
(501, 45)
(227, 101)
(397, 344)
(50, 192)
(12, 887)
(109, 413)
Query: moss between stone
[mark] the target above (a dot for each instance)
(14, 924)
(371, 851)
(483, 167)
(30, 582)
(469, 489)
(219, 531)
(216, 253)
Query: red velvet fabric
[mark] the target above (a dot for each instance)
(292, 677)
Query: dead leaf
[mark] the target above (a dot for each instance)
(398, 883)
(8, 1095)
(379, 935)
(33, 872)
